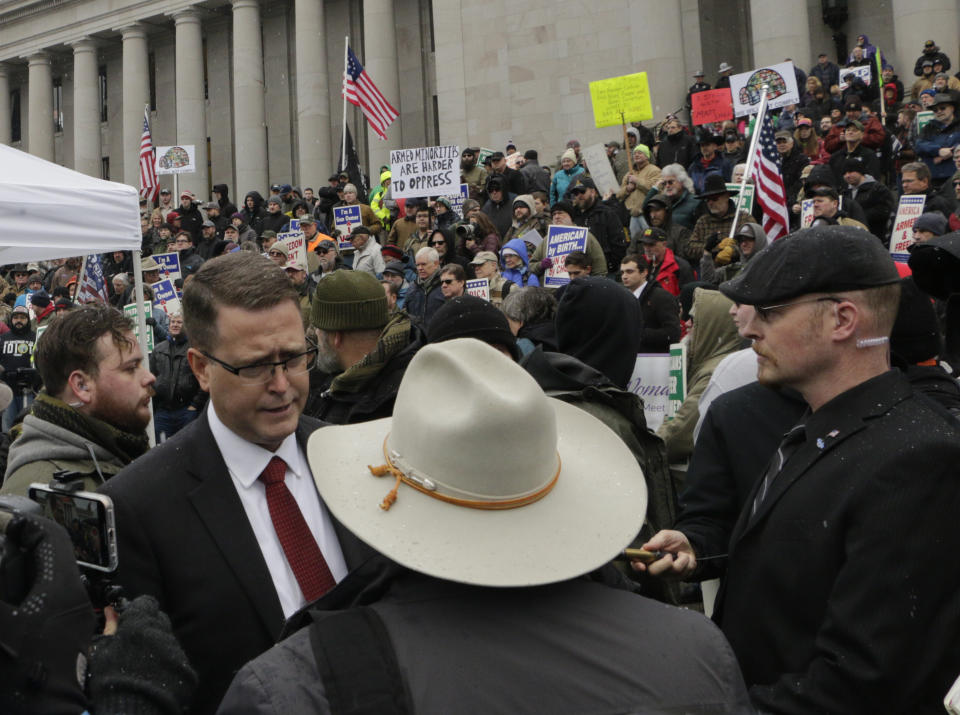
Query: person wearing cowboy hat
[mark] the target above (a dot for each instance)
(478, 613)
(710, 161)
(937, 139)
(712, 230)
(698, 86)
(725, 71)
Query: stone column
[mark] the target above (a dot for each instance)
(191, 105)
(313, 97)
(40, 107)
(780, 30)
(136, 95)
(915, 22)
(4, 105)
(656, 32)
(249, 116)
(86, 108)
(380, 61)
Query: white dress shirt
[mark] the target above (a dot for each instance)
(246, 461)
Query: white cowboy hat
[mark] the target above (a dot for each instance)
(502, 486)
(724, 67)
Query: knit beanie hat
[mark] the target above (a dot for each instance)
(470, 317)
(569, 154)
(275, 200)
(349, 300)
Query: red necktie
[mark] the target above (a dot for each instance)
(298, 544)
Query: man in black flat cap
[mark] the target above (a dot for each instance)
(835, 597)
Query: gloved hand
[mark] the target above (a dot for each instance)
(45, 635)
(546, 263)
(142, 668)
(151, 321)
(712, 242)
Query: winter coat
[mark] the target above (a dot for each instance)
(645, 179)
(792, 165)
(603, 222)
(44, 448)
(561, 182)
(501, 214)
(684, 210)
(711, 273)
(369, 258)
(714, 337)
(677, 235)
(176, 386)
(877, 202)
(873, 136)
(521, 276)
(535, 178)
(934, 137)
(934, 54)
(699, 173)
(191, 220)
(870, 161)
(661, 318)
(424, 299)
(227, 208)
(274, 222)
(828, 74)
(594, 252)
(707, 225)
(680, 148)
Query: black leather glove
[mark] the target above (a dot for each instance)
(151, 321)
(141, 668)
(713, 242)
(45, 635)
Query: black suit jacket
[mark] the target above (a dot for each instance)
(183, 537)
(839, 594)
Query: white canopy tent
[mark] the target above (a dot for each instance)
(48, 211)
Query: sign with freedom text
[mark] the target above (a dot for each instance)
(910, 208)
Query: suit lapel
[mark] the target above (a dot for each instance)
(218, 505)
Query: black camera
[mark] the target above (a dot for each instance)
(23, 378)
(467, 231)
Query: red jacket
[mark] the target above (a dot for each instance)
(666, 274)
(873, 135)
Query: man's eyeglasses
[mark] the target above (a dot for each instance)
(448, 281)
(262, 372)
(764, 312)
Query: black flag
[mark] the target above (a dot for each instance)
(357, 177)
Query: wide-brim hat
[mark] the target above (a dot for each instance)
(583, 495)
(944, 98)
(149, 264)
(714, 185)
(724, 67)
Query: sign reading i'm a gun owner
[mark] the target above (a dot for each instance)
(426, 171)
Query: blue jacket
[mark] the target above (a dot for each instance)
(698, 173)
(423, 300)
(520, 276)
(561, 182)
(933, 138)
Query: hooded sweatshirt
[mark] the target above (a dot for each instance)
(226, 205)
(600, 324)
(714, 336)
(254, 217)
(522, 275)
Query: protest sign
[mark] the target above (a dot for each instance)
(482, 155)
(345, 218)
(863, 72)
(169, 265)
(678, 377)
(296, 248)
(923, 119)
(651, 382)
(130, 310)
(621, 99)
(598, 164)
(294, 224)
(911, 206)
(561, 242)
(515, 160)
(456, 200)
(180, 159)
(746, 197)
(426, 171)
(747, 87)
(806, 213)
(165, 297)
(713, 105)
(479, 288)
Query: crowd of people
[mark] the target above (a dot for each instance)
(808, 466)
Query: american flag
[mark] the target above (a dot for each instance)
(149, 186)
(770, 192)
(360, 90)
(93, 284)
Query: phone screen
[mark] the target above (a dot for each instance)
(86, 521)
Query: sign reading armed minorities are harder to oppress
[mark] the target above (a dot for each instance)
(426, 171)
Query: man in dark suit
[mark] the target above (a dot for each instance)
(835, 598)
(223, 523)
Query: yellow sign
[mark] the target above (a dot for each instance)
(621, 99)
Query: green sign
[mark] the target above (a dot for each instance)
(678, 377)
(746, 200)
(130, 310)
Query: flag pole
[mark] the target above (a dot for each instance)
(343, 138)
(80, 276)
(751, 156)
(141, 322)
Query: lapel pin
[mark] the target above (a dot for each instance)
(833, 433)
(819, 443)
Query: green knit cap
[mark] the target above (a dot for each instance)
(349, 300)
